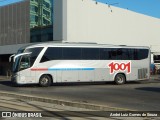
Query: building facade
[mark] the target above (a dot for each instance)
(41, 13)
(41, 20)
(26, 21)
(91, 21)
(29, 21)
(14, 23)
(23, 22)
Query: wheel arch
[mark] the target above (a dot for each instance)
(46, 74)
(120, 78)
(120, 73)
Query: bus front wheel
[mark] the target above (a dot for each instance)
(120, 79)
(45, 81)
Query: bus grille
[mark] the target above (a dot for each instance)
(142, 73)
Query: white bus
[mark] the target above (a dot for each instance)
(48, 63)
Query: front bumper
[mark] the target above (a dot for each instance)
(14, 79)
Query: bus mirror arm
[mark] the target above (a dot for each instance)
(10, 58)
(14, 59)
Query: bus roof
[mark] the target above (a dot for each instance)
(79, 44)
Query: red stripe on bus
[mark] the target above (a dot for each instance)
(39, 69)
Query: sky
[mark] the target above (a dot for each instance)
(6, 2)
(147, 7)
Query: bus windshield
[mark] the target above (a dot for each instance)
(22, 61)
(27, 60)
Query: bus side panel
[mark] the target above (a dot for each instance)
(58, 77)
(54, 75)
(102, 74)
(82, 75)
(90, 76)
(133, 74)
(86, 75)
(140, 70)
(26, 76)
(69, 76)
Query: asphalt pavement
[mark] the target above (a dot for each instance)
(93, 96)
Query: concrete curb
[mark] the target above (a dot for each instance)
(62, 102)
(4, 78)
(155, 78)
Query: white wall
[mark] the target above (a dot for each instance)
(91, 22)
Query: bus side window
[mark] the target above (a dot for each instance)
(125, 54)
(142, 54)
(52, 54)
(90, 54)
(104, 54)
(72, 53)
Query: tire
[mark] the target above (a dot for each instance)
(120, 79)
(45, 81)
(16, 85)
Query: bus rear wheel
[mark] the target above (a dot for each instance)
(45, 81)
(120, 79)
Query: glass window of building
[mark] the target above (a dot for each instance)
(41, 20)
